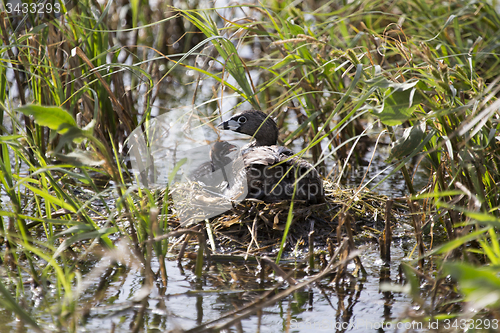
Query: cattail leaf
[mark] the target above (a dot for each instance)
(398, 107)
(53, 117)
(410, 140)
(400, 100)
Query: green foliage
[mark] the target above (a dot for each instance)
(8, 302)
(53, 117)
(481, 286)
(232, 62)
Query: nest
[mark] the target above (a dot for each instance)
(253, 226)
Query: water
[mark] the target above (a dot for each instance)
(187, 302)
(115, 297)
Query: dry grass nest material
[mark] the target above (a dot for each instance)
(254, 226)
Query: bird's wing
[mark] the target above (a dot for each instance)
(263, 155)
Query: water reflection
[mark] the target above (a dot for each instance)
(385, 277)
(355, 305)
(117, 298)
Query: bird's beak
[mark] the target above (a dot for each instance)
(232, 148)
(223, 126)
(230, 124)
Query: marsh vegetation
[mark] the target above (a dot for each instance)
(394, 102)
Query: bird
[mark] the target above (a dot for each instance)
(273, 172)
(211, 188)
(219, 158)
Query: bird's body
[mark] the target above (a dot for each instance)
(273, 173)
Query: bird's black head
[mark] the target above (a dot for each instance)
(255, 123)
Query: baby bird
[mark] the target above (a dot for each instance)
(219, 157)
(273, 174)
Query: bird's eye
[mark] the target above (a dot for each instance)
(242, 120)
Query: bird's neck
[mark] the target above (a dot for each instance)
(268, 139)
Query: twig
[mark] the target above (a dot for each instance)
(386, 239)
